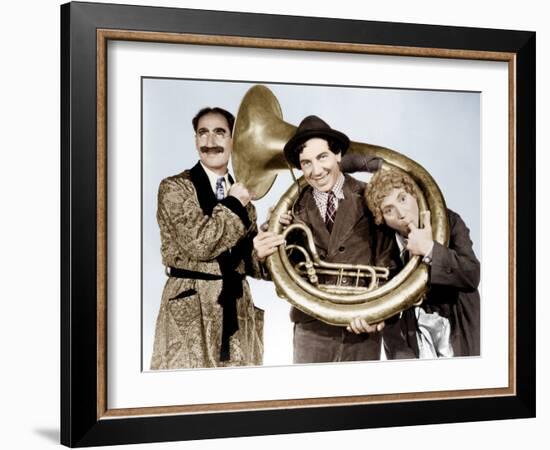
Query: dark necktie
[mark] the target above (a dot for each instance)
(405, 256)
(331, 211)
(219, 188)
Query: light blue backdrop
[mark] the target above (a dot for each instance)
(439, 130)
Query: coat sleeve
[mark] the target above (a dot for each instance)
(255, 268)
(360, 163)
(456, 266)
(199, 236)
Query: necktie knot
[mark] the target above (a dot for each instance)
(331, 211)
(219, 189)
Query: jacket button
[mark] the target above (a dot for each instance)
(449, 270)
(341, 249)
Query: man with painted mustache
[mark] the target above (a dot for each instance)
(207, 223)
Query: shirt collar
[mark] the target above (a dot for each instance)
(338, 190)
(213, 177)
(401, 242)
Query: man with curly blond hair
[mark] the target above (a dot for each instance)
(447, 323)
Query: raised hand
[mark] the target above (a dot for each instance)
(420, 240)
(285, 219)
(266, 243)
(240, 192)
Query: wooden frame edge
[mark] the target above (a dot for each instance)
(104, 35)
(290, 44)
(101, 225)
(303, 403)
(512, 199)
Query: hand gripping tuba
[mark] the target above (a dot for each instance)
(258, 139)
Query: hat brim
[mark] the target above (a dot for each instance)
(303, 136)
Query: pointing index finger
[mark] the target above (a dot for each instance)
(426, 219)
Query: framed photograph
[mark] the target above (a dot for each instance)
(457, 104)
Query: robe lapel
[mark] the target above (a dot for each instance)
(207, 198)
(231, 280)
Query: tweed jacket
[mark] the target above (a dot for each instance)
(454, 279)
(354, 239)
(189, 324)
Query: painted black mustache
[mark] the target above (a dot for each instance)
(217, 149)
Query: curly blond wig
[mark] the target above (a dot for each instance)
(381, 184)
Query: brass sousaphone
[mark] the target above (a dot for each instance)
(258, 140)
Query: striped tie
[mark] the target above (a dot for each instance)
(331, 211)
(219, 188)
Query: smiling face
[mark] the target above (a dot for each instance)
(319, 164)
(214, 142)
(400, 208)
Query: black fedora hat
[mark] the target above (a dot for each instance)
(311, 127)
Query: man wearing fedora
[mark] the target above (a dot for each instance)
(344, 232)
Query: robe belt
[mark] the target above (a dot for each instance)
(232, 289)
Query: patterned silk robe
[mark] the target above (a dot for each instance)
(189, 324)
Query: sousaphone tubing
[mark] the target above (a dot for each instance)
(258, 140)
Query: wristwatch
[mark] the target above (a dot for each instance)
(428, 257)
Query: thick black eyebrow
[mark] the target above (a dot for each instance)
(322, 154)
(216, 130)
(317, 157)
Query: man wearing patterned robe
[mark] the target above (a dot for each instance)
(207, 223)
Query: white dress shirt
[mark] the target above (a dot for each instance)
(434, 331)
(213, 178)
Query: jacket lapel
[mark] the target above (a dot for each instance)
(321, 234)
(350, 211)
